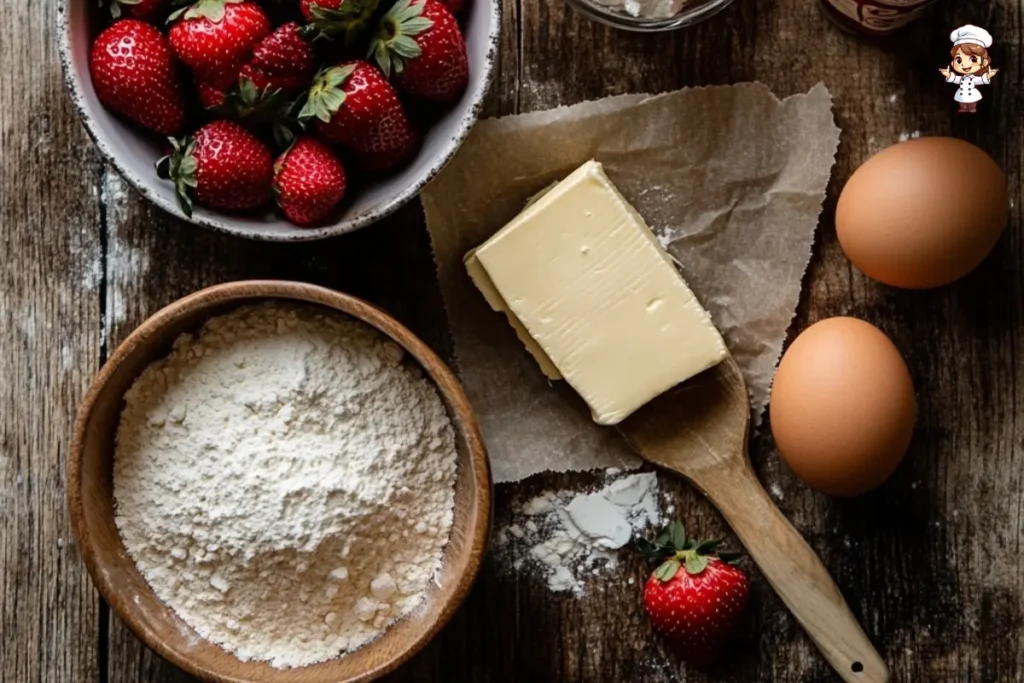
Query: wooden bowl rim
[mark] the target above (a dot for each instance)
(464, 423)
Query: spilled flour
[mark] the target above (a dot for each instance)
(570, 537)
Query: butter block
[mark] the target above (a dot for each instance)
(595, 298)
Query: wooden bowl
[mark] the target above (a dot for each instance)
(90, 495)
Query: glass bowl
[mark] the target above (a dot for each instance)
(692, 12)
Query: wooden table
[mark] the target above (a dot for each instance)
(932, 563)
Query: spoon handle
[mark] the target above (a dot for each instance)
(793, 570)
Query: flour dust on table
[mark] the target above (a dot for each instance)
(285, 482)
(570, 537)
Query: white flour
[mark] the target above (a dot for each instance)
(285, 483)
(572, 537)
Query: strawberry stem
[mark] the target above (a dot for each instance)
(394, 43)
(180, 167)
(672, 549)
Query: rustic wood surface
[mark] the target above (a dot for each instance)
(932, 563)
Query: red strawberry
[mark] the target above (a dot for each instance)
(454, 6)
(346, 18)
(309, 181)
(283, 61)
(211, 95)
(421, 42)
(133, 73)
(223, 166)
(215, 38)
(144, 10)
(307, 7)
(356, 107)
(694, 598)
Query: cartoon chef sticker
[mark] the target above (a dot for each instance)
(970, 67)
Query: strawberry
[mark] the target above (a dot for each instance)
(134, 74)
(308, 7)
(695, 597)
(356, 107)
(215, 38)
(282, 61)
(330, 18)
(143, 10)
(223, 166)
(454, 6)
(309, 181)
(211, 95)
(421, 42)
(261, 90)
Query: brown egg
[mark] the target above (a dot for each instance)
(922, 213)
(842, 406)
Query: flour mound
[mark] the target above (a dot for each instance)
(285, 483)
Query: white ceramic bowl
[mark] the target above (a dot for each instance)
(134, 152)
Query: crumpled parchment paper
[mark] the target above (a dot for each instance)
(730, 178)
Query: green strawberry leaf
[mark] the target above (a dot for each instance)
(677, 534)
(695, 564)
(326, 96)
(730, 557)
(708, 547)
(416, 25)
(180, 167)
(394, 42)
(666, 571)
(405, 47)
(349, 20)
(333, 99)
(211, 10)
(380, 53)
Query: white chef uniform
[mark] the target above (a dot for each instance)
(968, 91)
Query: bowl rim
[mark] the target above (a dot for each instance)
(448, 386)
(626, 22)
(223, 222)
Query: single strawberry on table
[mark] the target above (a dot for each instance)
(309, 181)
(222, 166)
(215, 38)
(355, 106)
(134, 74)
(421, 43)
(695, 596)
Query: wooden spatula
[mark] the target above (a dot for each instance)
(700, 430)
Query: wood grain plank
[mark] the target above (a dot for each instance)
(931, 563)
(50, 275)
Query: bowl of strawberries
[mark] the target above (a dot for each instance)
(284, 120)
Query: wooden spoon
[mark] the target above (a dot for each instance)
(700, 430)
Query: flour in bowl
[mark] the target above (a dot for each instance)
(285, 482)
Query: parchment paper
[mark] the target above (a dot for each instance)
(730, 178)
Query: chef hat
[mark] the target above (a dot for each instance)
(971, 34)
